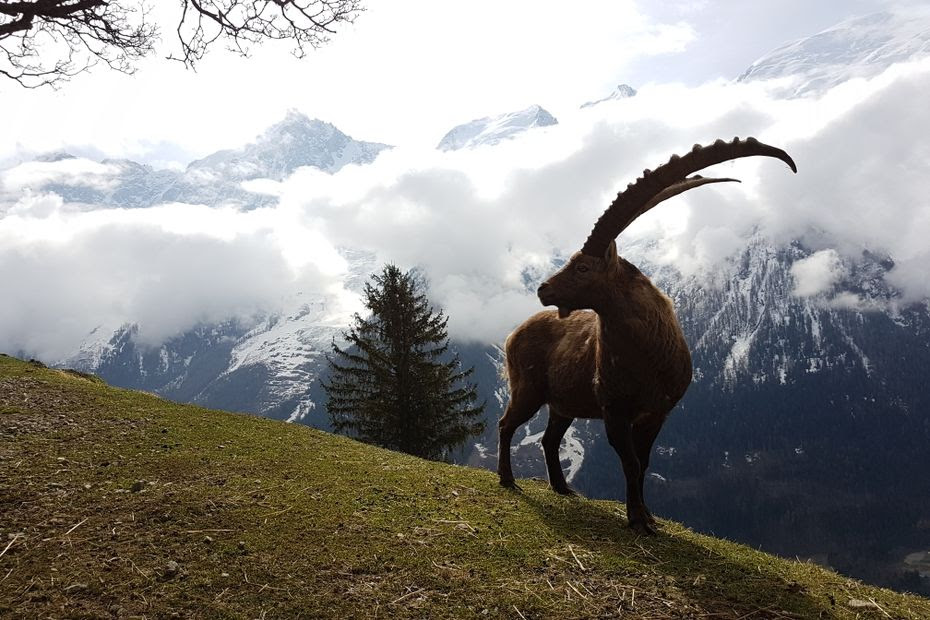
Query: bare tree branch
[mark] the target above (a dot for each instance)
(45, 42)
(308, 23)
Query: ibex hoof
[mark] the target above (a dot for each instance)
(643, 528)
(564, 489)
(510, 483)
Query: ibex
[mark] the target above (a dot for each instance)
(627, 361)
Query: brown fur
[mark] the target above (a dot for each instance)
(626, 362)
(614, 350)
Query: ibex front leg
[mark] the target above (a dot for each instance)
(644, 436)
(620, 436)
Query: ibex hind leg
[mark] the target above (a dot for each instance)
(551, 441)
(520, 409)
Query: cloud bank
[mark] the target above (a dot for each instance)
(817, 273)
(483, 224)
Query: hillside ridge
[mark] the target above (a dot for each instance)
(116, 503)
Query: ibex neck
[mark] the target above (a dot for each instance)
(624, 305)
(641, 350)
(638, 321)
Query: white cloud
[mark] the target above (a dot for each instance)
(846, 300)
(38, 205)
(73, 171)
(474, 220)
(862, 179)
(166, 269)
(817, 274)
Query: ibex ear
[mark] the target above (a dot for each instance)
(610, 254)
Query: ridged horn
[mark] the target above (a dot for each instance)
(681, 187)
(671, 179)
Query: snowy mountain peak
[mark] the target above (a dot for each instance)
(287, 145)
(54, 156)
(297, 126)
(860, 47)
(623, 91)
(493, 129)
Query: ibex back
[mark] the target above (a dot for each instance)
(613, 349)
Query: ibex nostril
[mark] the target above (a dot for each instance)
(542, 287)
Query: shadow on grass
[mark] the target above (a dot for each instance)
(740, 582)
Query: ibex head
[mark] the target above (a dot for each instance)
(582, 282)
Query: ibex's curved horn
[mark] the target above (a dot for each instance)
(669, 180)
(681, 187)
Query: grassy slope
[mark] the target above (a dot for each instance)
(301, 523)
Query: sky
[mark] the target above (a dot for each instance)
(407, 71)
(476, 222)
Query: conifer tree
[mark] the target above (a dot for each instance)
(396, 383)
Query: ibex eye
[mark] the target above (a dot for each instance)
(582, 268)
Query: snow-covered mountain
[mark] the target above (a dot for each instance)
(269, 365)
(623, 91)
(861, 47)
(294, 142)
(493, 129)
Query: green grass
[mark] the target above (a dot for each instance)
(103, 490)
